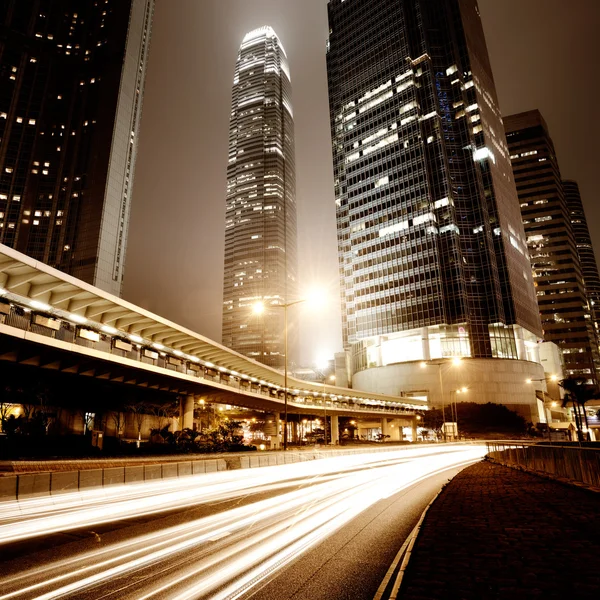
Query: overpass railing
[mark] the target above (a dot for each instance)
(16, 316)
(574, 464)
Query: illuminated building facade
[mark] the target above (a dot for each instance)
(583, 240)
(552, 243)
(260, 229)
(72, 78)
(432, 252)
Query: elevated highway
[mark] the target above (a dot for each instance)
(53, 321)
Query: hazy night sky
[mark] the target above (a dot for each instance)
(544, 54)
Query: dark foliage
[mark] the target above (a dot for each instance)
(475, 419)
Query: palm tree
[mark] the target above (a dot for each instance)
(579, 391)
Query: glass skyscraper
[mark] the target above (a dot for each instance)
(583, 240)
(72, 80)
(260, 230)
(552, 240)
(432, 252)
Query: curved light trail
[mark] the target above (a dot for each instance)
(223, 555)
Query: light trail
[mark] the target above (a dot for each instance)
(223, 555)
(70, 511)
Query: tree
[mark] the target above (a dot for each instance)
(579, 392)
(477, 419)
(118, 418)
(139, 410)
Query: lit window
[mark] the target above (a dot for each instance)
(38, 213)
(36, 222)
(9, 169)
(32, 121)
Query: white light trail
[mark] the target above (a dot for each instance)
(223, 555)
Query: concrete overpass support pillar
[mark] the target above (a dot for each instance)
(276, 439)
(414, 424)
(187, 412)
(385, 428)
(395, 431)
(335, 430)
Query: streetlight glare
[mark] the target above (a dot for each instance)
(258, 308)
(315, 298)
(456, 361)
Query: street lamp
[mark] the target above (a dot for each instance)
(332, 379)
(456, 361)
(259, 309)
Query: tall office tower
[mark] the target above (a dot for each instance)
(564, 309)
(587, 258)
(432, 253)
(72, 79)
(260, 230)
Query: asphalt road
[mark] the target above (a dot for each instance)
(327, 529)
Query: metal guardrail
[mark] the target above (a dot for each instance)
(577, 465)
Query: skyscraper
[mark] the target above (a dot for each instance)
(585, 250)
(260, 229)
(432, 253)
(72, 74)
(564, 308)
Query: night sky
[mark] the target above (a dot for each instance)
(544, 54)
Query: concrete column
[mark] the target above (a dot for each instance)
(276, 438)
(395, 431)
(414, 424)
(187, 412)
(334, 430)
(384, 427)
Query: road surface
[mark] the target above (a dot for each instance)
(323, 529)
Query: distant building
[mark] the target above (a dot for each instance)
(260, 230)
(432, 253)
(72, 81)
(552, 243)
(583, 240)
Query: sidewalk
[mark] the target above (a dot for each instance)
(498, 533)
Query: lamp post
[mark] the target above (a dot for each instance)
(332, 379)
(258, 309)
(553, 378)
(439, 363)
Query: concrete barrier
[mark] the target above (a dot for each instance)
(8, 488)
(64, 481)
(59, 481)
(91, 478)
(33, 485)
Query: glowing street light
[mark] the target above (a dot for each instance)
(313, 298)
(456, 361)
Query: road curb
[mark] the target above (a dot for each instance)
(395, 573)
